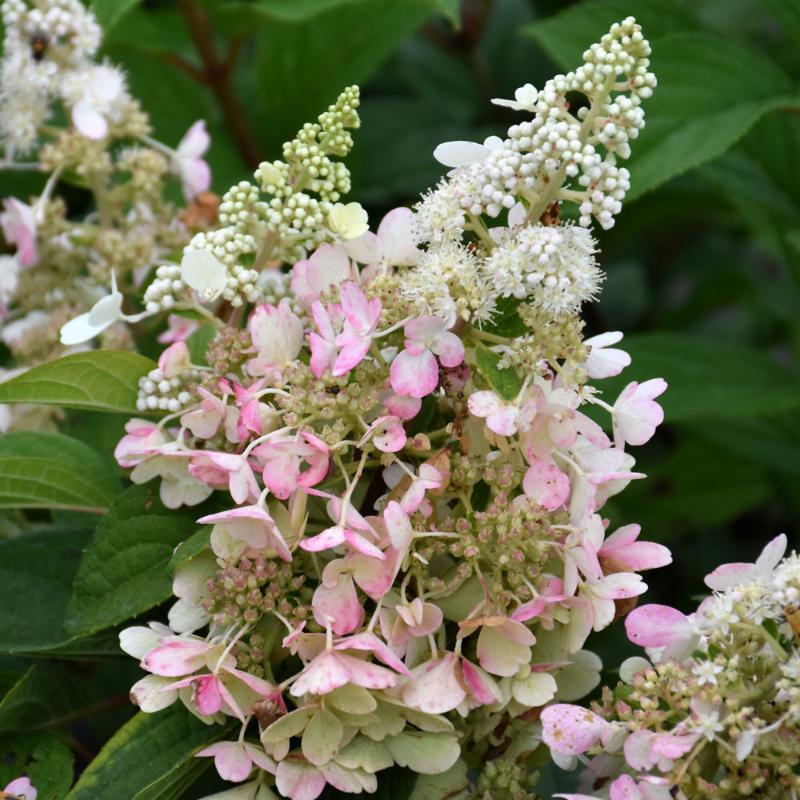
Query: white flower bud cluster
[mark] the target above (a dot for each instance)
(789, 687)
(554, 266)
(274, 285)
(43, 44)
(542, 154)
(231, 246)
(165, 289)
(241, 207)
(439, 216)
(65, 30)
(448, 281)
(159, 393)
(302, 188)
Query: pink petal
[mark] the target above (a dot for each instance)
(366, 249)
(369, 642)
(338, 606)
(195, 141)
(351, 355)
(423, 330)
(370, 676)
(656, 626)
(436, 687)
(449, 348)
(195, 177)
(546, 484)
(22, 788)
(483, 403)
(324, 674)
(414, 375)
(361, 313)
(207, 695)
(403, 407)
(362, 545)
(772, 554)
(571, 730)
(176, 657)
(625, 788)
(323, 354)
(480, 685)
(298, 780)
(673, 746)
(330, 537)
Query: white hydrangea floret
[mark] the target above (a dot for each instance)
(553, 267)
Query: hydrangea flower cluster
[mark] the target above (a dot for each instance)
(403, 552)
(715, 712)
(293, 209)
(62, 262)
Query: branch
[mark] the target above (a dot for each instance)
(216, 74)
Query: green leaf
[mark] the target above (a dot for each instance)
(110, 12)
(51, 694)
(710, 93)
(42, 483)
(301, 66)
(36, 573)
(44, 758)
(761, 179)
(124, 571)
(787, 13)
(505, 382)
(506, 321)
(451, 10)
(147, 44)
(148, 757)
(100, 380)
(710, 90)
(693, 487)
(707, 378)
(772, 442)
(48, 470)
(189, 548)
(564, 36)
(280, 10)
(453, 784)
(198, 343)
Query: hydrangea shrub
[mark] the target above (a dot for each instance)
(397, 445)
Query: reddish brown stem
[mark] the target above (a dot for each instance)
(216, 74)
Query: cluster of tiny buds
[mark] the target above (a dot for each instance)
(301, 189)
(247, 589)
(557, 145)
(63, 22)
(159, 393)
(163, 290)
(229, 245)
(554, 265)
(240, 205)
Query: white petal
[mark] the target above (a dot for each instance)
(184, 618)
(745, 744)
(456, 154)
(90, 122)
(195, 142)
(204, 272)
(630, 666)
(80, 330)
(106, 311)
(138, 641)
(493, 143)
(366, 249)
